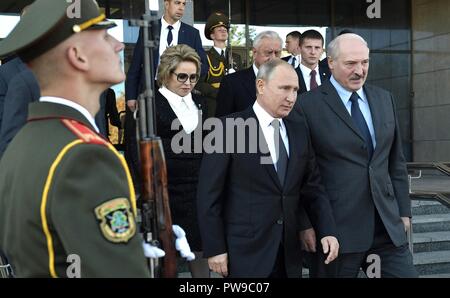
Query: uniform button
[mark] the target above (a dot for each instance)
(280, 221)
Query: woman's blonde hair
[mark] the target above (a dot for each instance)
(172, 57)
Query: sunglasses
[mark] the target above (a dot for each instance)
(183, 77)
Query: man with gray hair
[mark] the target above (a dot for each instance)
(237, 91)
(249, 204)
(356, 138)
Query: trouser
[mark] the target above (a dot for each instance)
(383, 258)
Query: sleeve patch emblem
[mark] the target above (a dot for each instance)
(116, 220)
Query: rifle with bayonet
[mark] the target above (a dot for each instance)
(156, 221)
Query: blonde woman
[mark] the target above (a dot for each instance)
(178, 74)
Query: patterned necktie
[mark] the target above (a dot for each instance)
(169, 36)
(313, 84)
(361, 123)
(280, 151)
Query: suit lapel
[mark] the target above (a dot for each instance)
(269, 167)
(301, 80)
(296, 144)
(249, 82)
(182, 34)
(334, 101)
(324, 73)
(377, 113)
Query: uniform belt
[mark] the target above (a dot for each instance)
(215, 85)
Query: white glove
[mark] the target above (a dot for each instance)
(181, 243)
(152, 252)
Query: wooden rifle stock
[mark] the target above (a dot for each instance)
(156, 217)
(155, 209)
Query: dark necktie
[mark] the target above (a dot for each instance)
(313, 84)
(170, 35)
(359, 120)
(222, 54)
(293, 61)
(280, 151)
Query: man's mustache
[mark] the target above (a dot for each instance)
(357, 77)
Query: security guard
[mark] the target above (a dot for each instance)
(220, 64)
(67, 204)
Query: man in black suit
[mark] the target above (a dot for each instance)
(310, 73)
(237, 91)
(293, 47)
(248, 200)
(356, 138)
(22, 90)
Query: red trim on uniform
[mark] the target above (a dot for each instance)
(83, 132)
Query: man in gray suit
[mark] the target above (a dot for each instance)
(356, 137)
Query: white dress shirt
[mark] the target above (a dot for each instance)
(306, 72)
(184, 108)
(164, 32)
(265, 121)
(74, 105)
(363, 105)
(298, 58)
(255, 69)
(219, 51)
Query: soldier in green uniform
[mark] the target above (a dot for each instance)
(220, 59)
(67, 204)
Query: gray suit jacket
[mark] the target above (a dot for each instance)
(354, 184)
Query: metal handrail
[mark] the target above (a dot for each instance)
(441, 197)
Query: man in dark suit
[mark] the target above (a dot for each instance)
(356, 138)
(237, 91)
(172, 32)
(22, 90)
(248, 200)
(293, 47)
(310, 73)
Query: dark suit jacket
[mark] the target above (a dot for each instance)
(324, 76)
(354, 184)
(187, 35)
(245, 212)
(7, 72)
(22, 90)
(287, 58)
(237, 92)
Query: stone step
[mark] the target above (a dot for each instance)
(428, 207)
(431, 223)
(431, 241)
(443, 275)
(437, 262)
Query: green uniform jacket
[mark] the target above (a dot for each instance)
(209, 84)
(67, 203)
